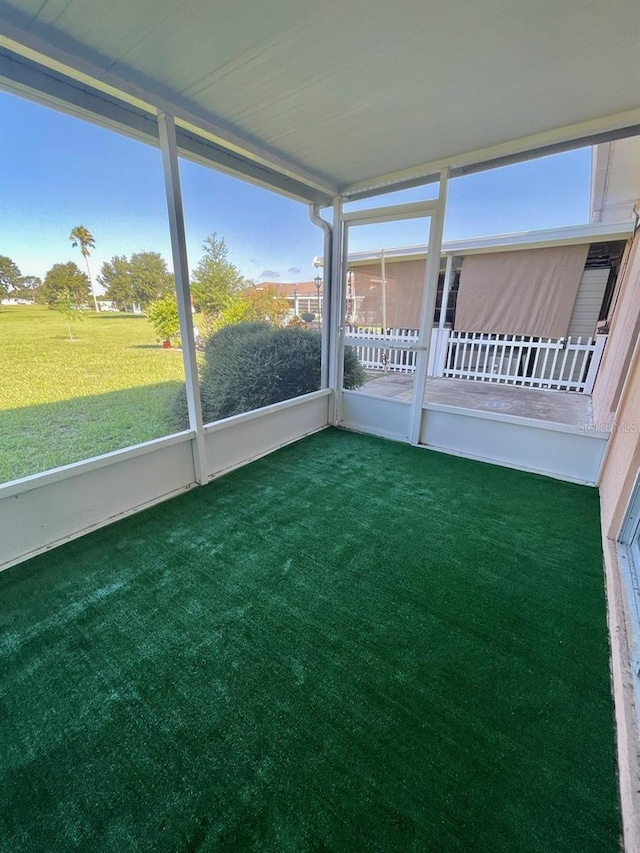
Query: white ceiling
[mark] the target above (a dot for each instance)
(353, 89)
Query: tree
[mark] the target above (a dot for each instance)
(65, 284)
(82, 237)
(115, 277)
(150, 278)
(28, 288)
(267, 303)
(141, 280)
(10, 276)
(66, 288)
(163, 314)
(254, 306)
(215, 281)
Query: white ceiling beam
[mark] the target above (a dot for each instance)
(392, 213)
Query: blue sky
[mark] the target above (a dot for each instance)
(57, 172)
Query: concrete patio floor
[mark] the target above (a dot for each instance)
(552, 406)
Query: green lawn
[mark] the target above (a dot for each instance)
(65, 400)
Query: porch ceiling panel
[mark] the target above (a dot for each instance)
(353, 90)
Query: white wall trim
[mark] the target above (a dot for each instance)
(522, 443)
(514, 419)
(379, 397)
(65, 472)
(235, 420)
(504, 464)
(221, 472)
(103, 523)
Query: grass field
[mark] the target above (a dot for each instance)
(64, 400)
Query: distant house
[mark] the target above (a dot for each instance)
(547, 283)
(304, 297)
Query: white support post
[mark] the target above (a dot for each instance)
(438, 361)
(384, 291)
(446, 287)
(594, 366)
(166, 126)
(314, 215)
(428, 305)
(334, 317)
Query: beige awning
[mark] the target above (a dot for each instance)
(527, 292)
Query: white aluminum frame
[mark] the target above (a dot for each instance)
(171, 169)
(432, 210)
(46, 509)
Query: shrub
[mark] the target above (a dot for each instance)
(163, 315)
(250, 365)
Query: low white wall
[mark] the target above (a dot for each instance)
(45, 510)
(236, 441)
(553, 449)
(557, 450)
(375, 415)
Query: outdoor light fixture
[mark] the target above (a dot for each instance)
(318, 283)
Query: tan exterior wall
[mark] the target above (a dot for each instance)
(625, 325)
(616, 402)
(616, 397)
(622, 459)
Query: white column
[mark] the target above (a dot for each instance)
(314, 213)
(596, 358)
(384, 291)
(428, 305)
(446, 287)
(334, 309)
(438, 361)
(169, 149)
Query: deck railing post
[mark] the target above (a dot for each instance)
(167, 129)
(594, 365)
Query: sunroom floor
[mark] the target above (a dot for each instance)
(562, 407)
(349, 645)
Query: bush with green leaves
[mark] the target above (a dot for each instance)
(163, 315)
(250, 365)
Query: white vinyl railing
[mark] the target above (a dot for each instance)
(384, 350)
(524, 360)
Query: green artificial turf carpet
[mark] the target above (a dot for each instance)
(350, 645)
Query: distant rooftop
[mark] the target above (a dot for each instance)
(592, 233)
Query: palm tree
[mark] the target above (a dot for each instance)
(81, 236)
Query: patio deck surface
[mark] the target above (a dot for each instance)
(537, 403)
(349, 645)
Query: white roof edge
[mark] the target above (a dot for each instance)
(575, 234)
(600, 165)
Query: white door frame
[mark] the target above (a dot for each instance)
(434, 211)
